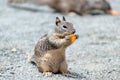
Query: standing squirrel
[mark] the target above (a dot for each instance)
(81, 7)
(49, 52)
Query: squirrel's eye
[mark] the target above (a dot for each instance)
(64, 26)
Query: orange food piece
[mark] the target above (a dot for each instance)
(113, 12)
(73, 37)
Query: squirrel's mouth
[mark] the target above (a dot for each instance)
(66, 34)
(63, 35)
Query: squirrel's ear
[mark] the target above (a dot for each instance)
(64, 18)
(57, 21)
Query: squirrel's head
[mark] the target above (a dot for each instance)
(64, 27)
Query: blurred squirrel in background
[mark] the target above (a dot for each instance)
(49, 52)
(81, 7)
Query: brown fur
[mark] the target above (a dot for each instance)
(49, 53)
(81, 7)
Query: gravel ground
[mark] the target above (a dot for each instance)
(94, 56)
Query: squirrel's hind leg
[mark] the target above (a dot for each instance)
(63, 68)
(45, 68)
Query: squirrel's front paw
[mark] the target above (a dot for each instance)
(67, 37)
(71, 37)
(77, 36)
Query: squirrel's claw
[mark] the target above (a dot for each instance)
(47, 73)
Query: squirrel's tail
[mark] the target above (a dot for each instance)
(113, 12)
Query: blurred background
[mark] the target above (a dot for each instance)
(94, 56)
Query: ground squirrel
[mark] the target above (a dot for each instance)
(81, 7)
(49, 52)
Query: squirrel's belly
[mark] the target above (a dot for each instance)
(54, 58)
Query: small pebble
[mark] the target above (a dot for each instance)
(28, 57)
(14, 50)
(12, 73)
